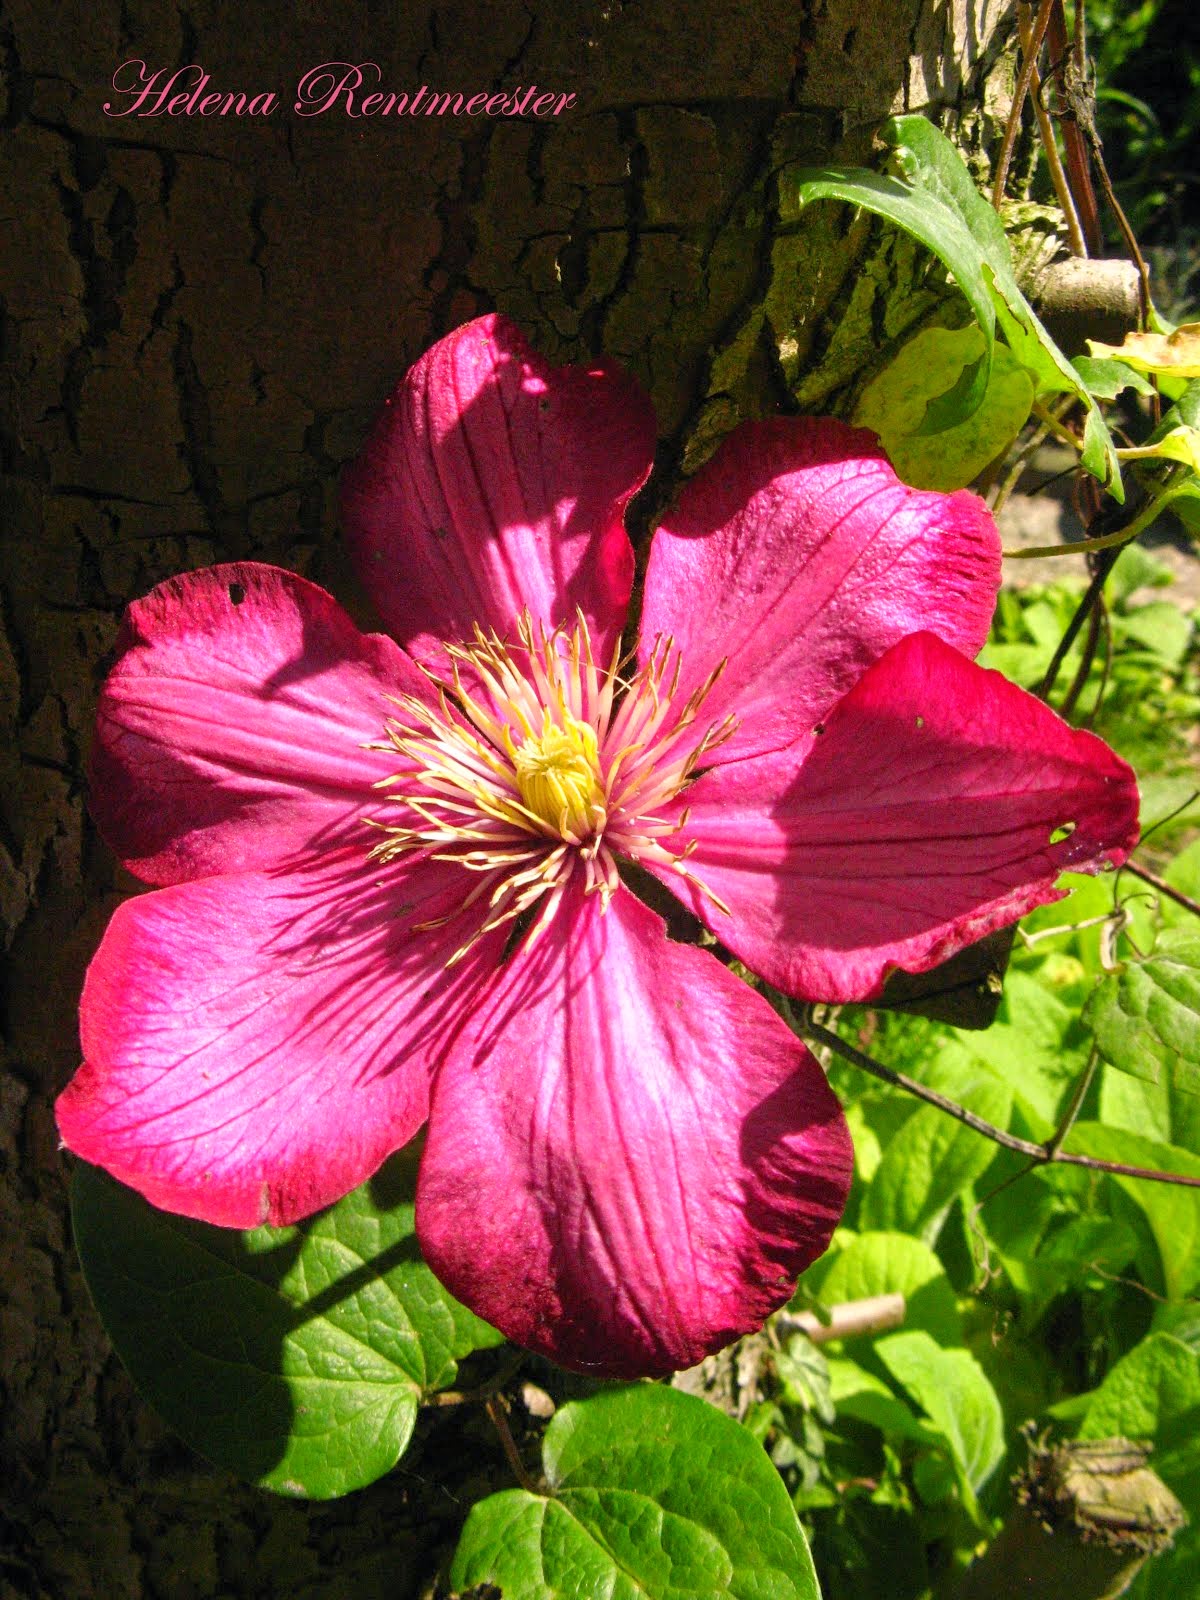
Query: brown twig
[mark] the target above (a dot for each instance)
(1127, 233)
(1058, 177)
(1088, 655)
(1163, 887)
(1089, 599)
(1024, 78)
(464, 1397)
(1106, 667)
(1078, 115)
(1073, 58)
(1056, 425)
(877, 1313)
(1077, 1098)
(495, 1410)
(1017, 465)
(1040, 1154)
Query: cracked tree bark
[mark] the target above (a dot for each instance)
(199, 317)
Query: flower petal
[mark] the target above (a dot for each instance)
(230, 733)
(493, 481)
(926, 813)
(630, 1158)
(257, 1044)
(798, 554)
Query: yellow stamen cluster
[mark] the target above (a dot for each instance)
(558, 774)
(532, 763)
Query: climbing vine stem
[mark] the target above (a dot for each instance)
(1050, 1153)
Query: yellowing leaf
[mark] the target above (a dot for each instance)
(895, 403)
(1177, 354)
(1179, 444)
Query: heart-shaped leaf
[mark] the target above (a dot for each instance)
(1146, 1017)
(651, 1494)
(296, 1357)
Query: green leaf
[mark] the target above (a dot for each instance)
(1136, 568)
(859, 1394)
(895, 402)
(1018, 1218)
(1035, 1047)
(1154, 1393)
(803, 1374)
(1161, 628)
(1183, 494)
(1106, 378)
(295, 1357)
(1185, 413)
(1171, 1211)
(1086, 1249)
(1046, 1248)
(952, 1389)
(1174, 1575)
(894, 1263)
(938, 204)
(1146, 1017)
(1155, 1110)
(1181, 1321)
(1180, 444)
(651, 1495)
(927, 158)
(932, 1159)
(939, 229)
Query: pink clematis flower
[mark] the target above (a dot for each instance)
(388, 871)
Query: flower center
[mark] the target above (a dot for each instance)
(558, 774)
(531, 763)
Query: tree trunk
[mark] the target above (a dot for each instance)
(200, 315)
